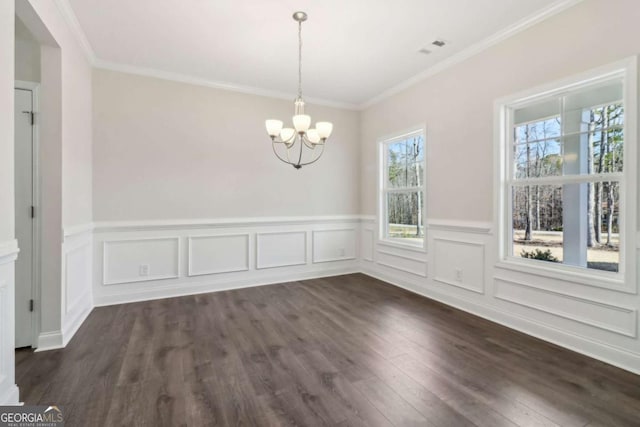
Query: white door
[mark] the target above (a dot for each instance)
(24, 213)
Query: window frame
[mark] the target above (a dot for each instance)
(625, 279)
(384, 190)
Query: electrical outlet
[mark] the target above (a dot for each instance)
(458, 274)
(143, 270)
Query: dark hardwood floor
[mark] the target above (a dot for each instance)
(341, 351)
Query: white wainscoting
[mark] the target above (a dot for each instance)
(334, 245)
(281, 249)
(8, 389)
(389, 258)
(77, 266)
(400, 260)
(599, 321)
(367, 240)
(459, 263)
(76, 299)
(125, 259)
(219, 254)
(612, 318)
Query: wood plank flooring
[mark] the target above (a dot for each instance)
(341, 351)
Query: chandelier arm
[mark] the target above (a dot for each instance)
(278, 155)
(301, 149)
(289, 142)
(306, 141)
(314, 160)
(312, 145)
(289, 147)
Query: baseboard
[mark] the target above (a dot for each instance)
(49, 341)
(615, 356)
(194, 288)
(70, 330)
(11, 396)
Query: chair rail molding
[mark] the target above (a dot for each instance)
(8, 251)
(477, 227)
(198, 223)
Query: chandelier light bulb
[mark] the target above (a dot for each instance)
(324, 129)
(301, 122)
(312, 136)
(286, 134)
(273, 127)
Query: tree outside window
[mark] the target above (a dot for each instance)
(402, 195)
(565, 177)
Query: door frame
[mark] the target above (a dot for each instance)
(36, 225)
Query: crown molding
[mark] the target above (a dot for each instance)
(198, 81)
(473, 50)
(76, 29)
(539, 16)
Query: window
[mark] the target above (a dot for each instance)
(568, 172)
(402, 189)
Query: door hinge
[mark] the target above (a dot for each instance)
(33, 211)
(32, 116)
(30, 305)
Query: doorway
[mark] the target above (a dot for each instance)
(25, 210)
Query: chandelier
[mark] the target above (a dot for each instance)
(300, 145)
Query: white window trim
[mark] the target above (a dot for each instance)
(625, 280)
(382, 181)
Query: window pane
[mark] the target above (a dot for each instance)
(604, 252)
(405, 212)
(574, 224)
(537, 219)
(588, 98)
(405, 163)
(607, 147)
(592, 142)
(538, 159)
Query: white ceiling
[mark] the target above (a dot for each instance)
(353, 50)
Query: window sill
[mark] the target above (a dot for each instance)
(403, 245)
(612, 282)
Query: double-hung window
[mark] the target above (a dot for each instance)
(402, 187)
(568, 196)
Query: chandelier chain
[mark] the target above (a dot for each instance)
(300, 60)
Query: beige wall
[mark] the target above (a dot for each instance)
(457, 104)
(6, 120)
(167, 150)
(76, 117)
(27, 55)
